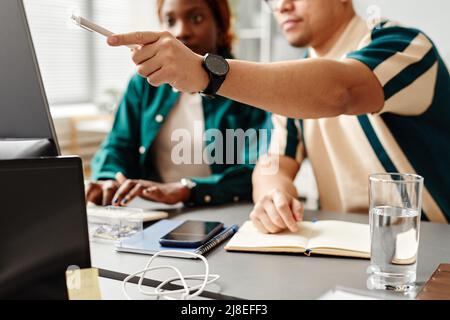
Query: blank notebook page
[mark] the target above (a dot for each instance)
(341, 235)
(249, 237)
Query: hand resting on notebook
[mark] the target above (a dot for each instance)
(276, 212)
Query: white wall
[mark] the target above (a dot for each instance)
(144, 13)
(431, 16)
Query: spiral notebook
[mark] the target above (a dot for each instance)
(147, 242)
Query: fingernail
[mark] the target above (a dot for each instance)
(124, 201)
(113, 40)
(115, 200)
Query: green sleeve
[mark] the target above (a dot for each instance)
(120, 150)
(232, 185)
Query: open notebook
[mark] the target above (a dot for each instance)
(335, 238)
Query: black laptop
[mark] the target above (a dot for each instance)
(43, 226)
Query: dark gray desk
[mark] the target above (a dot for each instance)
(276, 276)
(112, 290)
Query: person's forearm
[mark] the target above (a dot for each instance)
(307, 89)
(262, 185)
(312, 88)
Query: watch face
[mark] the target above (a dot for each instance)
(217, 65)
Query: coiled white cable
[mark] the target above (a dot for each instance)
(185, 292)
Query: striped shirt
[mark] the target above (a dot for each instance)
(411, 133)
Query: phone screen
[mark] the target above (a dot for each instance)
(194, 231)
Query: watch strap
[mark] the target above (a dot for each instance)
(214, 85)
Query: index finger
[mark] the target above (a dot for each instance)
(283, 206)
(123, 191)
(139, 38)
(298, 209)
(108, 193)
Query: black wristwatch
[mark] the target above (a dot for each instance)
(217, 68)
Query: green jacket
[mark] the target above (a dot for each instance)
(139, 118)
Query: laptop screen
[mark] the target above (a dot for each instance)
(43, 226)
(24, 110)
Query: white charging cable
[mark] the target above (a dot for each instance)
(160, 292)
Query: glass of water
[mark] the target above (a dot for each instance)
(395, 214)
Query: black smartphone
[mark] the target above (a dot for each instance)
(191, 234)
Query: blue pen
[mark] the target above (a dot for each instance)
(221, 237)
